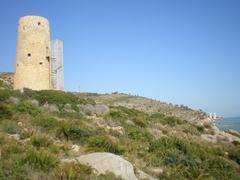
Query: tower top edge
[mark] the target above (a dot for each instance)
(23, 18)
(56, 40)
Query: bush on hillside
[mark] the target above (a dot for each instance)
(41, 160)
(10, 127)
(46, 124)
(167, 120)
(5, 94)
(6, 111)
(26, 107)
(74, 131)
(235, 155)
(191, 159)
(104, 144)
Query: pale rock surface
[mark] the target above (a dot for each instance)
(144, 176)
(14, 136)
(34, 102)
(101, 109)
(75, 148)
(156, 171)
(51, 107)
(219, 136)
(107, 162)
(68, 108)
(14, 100)
(129, 122)
(20, 124)
(91, 110)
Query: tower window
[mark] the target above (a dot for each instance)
(29, 54)
(39, 23)
(48, 58)
(40, 63)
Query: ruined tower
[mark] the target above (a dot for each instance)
(33, 57)
(57, 64)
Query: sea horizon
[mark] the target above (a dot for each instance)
(228, 123)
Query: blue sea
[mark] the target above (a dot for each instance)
(228, 123)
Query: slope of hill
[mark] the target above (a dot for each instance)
(52, 134)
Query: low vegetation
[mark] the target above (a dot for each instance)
(33, 140)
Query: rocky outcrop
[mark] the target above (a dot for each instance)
(106, 162)
(91, 110)
(219, 136)
(7, 79)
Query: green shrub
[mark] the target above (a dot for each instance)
(172, 121)
(76, 171)
(5, 94)
(108, 176)
(157, 116)
(13, 169)
(140, 122)
(42, 159)
(138, 134)
(11, 163)
(6, 111)
(190, 159)
(169, 120)
(235, 155)
(47, 124)
(27, 108)
(74, 131)
(10, 127)
(72, 171)
(123, 113)
(41, 141)
(73, 115)
(105, 144)
(53, 97)
(200, 128)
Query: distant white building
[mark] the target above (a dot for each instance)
(57, 65)
(213, 116)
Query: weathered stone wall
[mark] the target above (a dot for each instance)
(33, 56)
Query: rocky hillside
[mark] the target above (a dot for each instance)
(146, 105)
(7, 79)
(59, 135)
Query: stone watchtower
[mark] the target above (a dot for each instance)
(33, 58)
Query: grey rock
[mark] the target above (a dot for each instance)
(14, 136)
(34, 102)
(156, 171)
(14, 100)
(233, 132)
(129, 122)
(68, 108)
(101, 109)
(144, 176)
(106, 162)
(51, 107)
(88, 109)
(91, 110)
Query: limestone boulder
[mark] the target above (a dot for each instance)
(51, 107)
(68, 108)
(34, 102)
(101, 109)
(91, 110)
(107, 162)
(14, 100)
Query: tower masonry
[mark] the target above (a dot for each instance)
(57, 65)
(33, 56)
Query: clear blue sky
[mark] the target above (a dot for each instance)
(180, 51)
